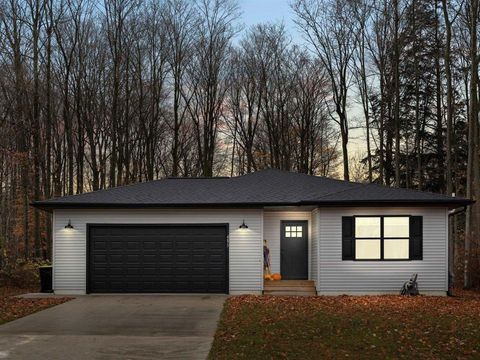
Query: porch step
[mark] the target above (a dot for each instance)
(290, 288)
(289, 292)
(290, 283)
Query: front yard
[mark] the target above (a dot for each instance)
(366, 327)
(12, 308)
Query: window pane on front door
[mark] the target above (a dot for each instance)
(293, 231)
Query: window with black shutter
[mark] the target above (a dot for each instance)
(382, 238)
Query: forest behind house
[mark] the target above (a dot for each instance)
(97, 94)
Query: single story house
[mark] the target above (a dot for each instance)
(206, 235)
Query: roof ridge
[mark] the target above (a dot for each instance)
(298, 173)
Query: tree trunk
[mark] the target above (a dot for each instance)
(472, 143)
(397, 91)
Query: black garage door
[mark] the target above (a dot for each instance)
(157, 259)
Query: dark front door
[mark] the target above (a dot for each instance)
(157, 259)
(294, 250)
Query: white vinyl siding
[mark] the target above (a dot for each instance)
(314, 230)
(370, 277)
(331, 274)
(245, 245)
(271, 225)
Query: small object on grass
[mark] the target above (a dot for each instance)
(410, 288)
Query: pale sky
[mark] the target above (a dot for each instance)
(261, 11)
(255, 11)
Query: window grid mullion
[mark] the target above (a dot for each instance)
(381, 238)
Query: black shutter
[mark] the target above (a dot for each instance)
(348, 241)
(416, 238)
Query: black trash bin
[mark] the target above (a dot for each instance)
(45, 279)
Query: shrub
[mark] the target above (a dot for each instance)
(21, 273)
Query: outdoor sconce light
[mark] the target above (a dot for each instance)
(69, 225)
(243, 226)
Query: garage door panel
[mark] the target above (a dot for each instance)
(201, 245)
(182, 270)
(147, 258)
(165, 245)
(116, 259)
(149, 245)
(100, 284)
(165, 278)
(134, 245)
(200, 285)
(182, 258)
(114, 270)
(200, 258)
(115, 245)
(200, 273)
(100, 258)
(133, 271)
(100, 231)
(150, 258)
(100, 245)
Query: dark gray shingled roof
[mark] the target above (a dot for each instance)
(267, 187)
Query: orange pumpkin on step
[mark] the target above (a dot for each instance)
(277, 276)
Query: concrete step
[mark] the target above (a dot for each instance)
(289, 283)
(290, 292)
(290, 288)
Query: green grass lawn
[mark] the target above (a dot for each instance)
(364, 327)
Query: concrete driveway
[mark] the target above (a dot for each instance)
(116, 327)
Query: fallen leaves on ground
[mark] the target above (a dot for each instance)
(12, 308)
(359, 327)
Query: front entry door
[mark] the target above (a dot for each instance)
(294, 250)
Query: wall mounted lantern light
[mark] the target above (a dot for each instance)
(243, 226)
(69, 225)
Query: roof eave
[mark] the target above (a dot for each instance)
(450, 203)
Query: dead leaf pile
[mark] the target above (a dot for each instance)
(359, 327)
(12, 308)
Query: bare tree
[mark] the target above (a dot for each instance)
(181, 27)
(13, 21)
(329, 27)
(117, 13)
(244, 103)
(362, 12)
(206, 89)
(473, 176)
